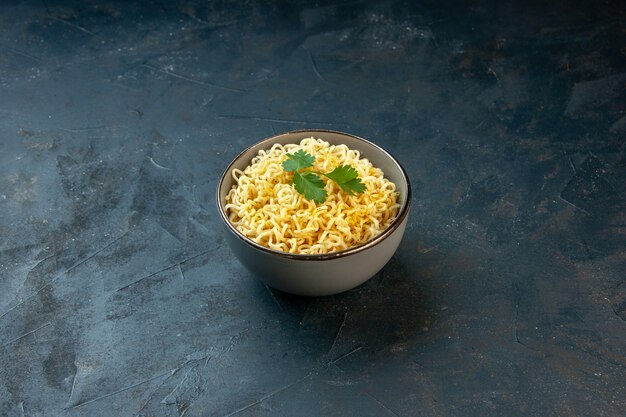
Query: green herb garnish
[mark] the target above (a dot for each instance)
(311, 186)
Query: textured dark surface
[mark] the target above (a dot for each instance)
(506, 297)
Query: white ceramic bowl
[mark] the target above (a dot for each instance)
(324, 274)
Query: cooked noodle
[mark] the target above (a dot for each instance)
(264, 206)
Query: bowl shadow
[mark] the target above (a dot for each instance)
(385, 314)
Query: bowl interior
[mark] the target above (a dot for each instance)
(377, 156)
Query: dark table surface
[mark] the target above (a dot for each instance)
(118, 296)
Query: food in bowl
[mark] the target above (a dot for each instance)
(280, 201)
(324, 273)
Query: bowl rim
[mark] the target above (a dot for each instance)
(404, 208)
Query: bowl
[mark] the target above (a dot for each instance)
(319, 274)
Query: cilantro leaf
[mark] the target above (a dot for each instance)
(310, 185)
(297, 161)
(347, 178)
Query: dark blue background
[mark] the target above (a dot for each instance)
(506, 297)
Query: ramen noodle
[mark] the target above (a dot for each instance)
(264, 206)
